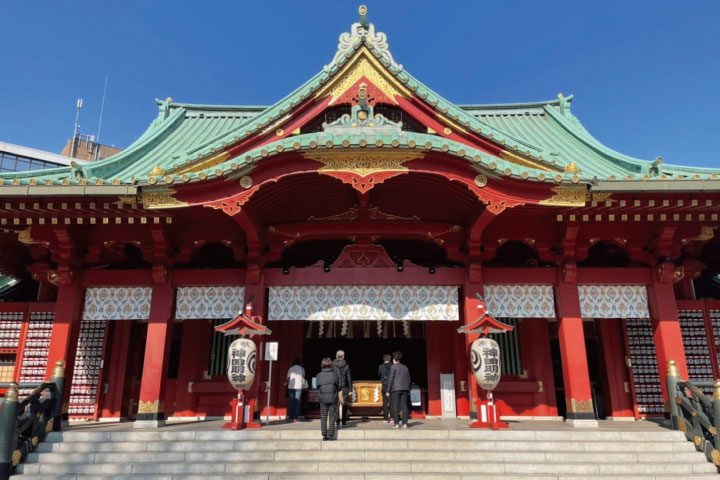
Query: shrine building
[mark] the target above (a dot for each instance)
(366, 213)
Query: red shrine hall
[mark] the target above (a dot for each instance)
(366, 213)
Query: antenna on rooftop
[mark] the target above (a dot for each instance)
(102, 108)
(76, 131)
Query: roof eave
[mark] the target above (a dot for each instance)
(656, 186)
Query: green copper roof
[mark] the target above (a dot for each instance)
(545, 132)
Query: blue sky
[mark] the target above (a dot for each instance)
(645, 74)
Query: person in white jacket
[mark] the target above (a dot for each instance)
(295, 381)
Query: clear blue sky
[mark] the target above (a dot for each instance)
(645, 74)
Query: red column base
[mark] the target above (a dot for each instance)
(238, 407)
(499, 425)
(489, 417)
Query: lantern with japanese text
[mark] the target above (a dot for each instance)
(241, 363)
(485, 361)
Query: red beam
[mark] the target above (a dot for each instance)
(364, 276)
(615, 276)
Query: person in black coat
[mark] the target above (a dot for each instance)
(384, 376)
(399, 390)
(342, 368)
(328, 386)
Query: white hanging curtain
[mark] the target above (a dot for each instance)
(366, 302)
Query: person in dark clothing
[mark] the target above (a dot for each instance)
(399, 390)
(384, 376)
(328, 386)
(342, 368)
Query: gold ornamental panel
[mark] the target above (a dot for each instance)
(364, 65)
(363, 163)
(149, 407)
(581, 406)
(566, 197)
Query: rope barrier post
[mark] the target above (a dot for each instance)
(8, 423)
(58, 378)
(672, 378)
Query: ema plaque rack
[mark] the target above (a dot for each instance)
(84, 390)
(715, 324)
(36, 349)
(645, 376)
(10, 329)
(697, 352)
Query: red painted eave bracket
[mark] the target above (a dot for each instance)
(485, 324)
(243, 325)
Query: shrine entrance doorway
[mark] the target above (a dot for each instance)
(364, 344)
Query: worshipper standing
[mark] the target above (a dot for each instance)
(342, 368)
(328, 386)
(295, 381)
(399, 390)
(384, 376)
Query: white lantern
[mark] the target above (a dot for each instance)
(242, 356)
(485, 361)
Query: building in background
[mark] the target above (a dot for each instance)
(84, 147)
(16, 158)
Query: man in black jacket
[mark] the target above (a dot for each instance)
(384, 376)
(343, 372)
(399, 390)
(328, 386)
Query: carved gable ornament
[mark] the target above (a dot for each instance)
(363, 256)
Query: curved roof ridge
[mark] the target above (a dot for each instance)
(158, 129)
(201, 106)
(512, 106)
(572, 125)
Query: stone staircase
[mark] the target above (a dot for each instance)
(367, 454)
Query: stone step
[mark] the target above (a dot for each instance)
(372, 455)
(340, 445)
(399, 466)
(379, 434)
(370, 476)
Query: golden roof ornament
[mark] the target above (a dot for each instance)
(571, 168)
(157, 170)
(362, 31)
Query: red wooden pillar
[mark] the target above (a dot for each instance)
(255, 290)
(578, 394)
(666, 327)
(151, 411)
(473, 286)
(115, 368)
(65, 331)
(613, 346)
(535, 340)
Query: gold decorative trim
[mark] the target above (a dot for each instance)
(49, 425)
(161, 199)
(246, 181)
(481, 181)
(698, 441)
(201, 164)
(567, 197)
(715, 455)
(363, 163)
(363, 64)
(682, 426)
(149, 407)
(16, 457)
(581, 406)
(526, 162)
